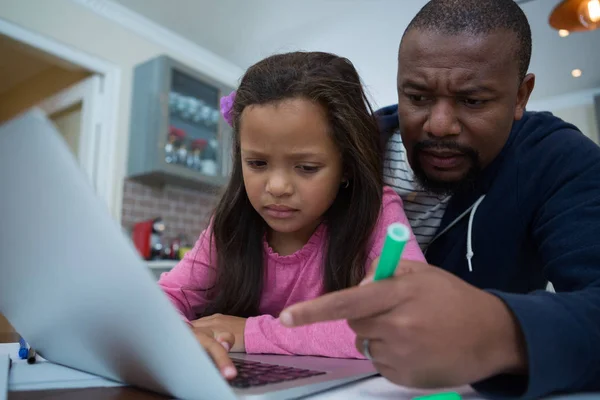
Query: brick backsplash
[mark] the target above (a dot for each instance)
(184, 211)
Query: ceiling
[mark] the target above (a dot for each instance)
(20, 62)
(365, 31)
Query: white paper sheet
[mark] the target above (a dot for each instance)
(46, 375)
(4, 366)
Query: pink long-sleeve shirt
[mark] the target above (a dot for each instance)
(289, 280)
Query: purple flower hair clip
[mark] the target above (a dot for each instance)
(227, 107)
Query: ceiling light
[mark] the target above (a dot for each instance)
(576, 73)
(589, 13)
(563, 33)
(576, 15)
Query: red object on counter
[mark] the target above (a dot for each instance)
(142, 232)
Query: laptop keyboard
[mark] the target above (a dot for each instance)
(252, 373)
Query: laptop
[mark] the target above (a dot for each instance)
(73, 285)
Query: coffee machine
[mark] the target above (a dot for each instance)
(147, 238)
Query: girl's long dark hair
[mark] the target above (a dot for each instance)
(238, 230)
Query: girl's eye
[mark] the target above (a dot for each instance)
(309, 169)
(256, 164)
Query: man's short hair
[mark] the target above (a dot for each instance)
(454, 17)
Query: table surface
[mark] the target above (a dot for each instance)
(362, 389)
(370, 388)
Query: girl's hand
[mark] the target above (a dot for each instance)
(220, 323)
(217, 345)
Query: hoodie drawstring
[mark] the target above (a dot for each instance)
(471, 211)
(470, 252)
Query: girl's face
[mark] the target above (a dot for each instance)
(291, 166)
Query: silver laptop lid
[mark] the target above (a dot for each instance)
(74, 286)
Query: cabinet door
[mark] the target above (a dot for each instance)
(226, 153)
(193, 139)
(178, 135)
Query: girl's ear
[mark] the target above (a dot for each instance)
(345, 181)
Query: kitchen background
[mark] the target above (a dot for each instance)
(157, 147)
(133, 86)
(184, 211)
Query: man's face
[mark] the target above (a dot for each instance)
(458, 96)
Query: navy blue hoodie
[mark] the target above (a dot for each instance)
(539, 221)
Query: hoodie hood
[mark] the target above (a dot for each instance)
(387, 119)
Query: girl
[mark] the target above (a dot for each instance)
(305, 212)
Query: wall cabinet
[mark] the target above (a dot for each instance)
(177, 134)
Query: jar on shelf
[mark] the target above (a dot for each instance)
(209, 161)
(173, 141)
(194, 160)
(182, 150)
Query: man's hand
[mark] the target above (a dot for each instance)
(427, 328)
(225, 323)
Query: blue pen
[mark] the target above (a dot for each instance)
(23, 350)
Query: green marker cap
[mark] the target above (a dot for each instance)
(397, 236)
(440, 396)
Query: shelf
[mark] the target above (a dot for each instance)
(199, 182)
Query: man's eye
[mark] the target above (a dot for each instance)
(417, 98)
(474, 102)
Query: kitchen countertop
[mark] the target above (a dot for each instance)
(161, 264)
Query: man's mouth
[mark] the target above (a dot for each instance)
(442, 158)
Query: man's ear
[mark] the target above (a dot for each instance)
(523, 95)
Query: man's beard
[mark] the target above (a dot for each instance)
(441, 187)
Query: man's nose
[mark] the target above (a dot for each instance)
(442, 119)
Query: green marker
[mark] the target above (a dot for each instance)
(440, 396)
(395, 240)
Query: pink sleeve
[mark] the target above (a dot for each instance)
(392, 210)
(187, 283)
(265, 335)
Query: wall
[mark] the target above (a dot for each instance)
(583, 117)
(369, 32)
(184, 211)
(79, 27)
(575, 107)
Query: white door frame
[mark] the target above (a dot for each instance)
(87, 92)
(105, 146)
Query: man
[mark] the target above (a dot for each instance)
(521, 193)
